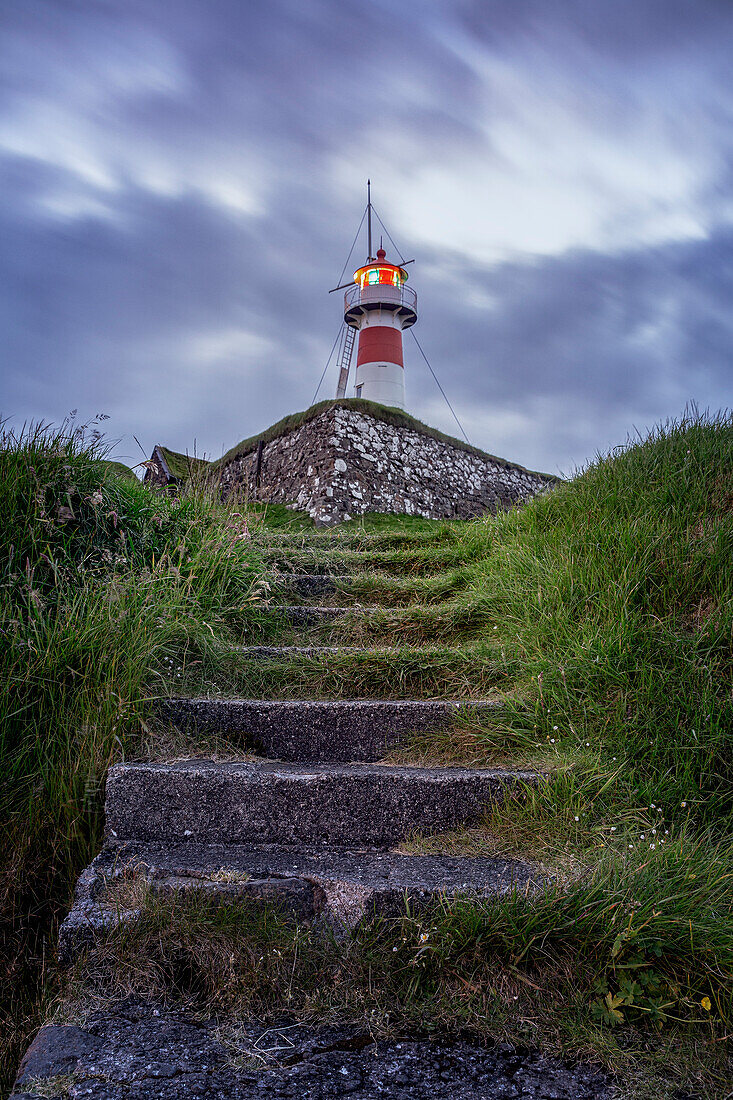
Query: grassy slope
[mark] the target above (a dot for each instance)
(610, 606)
(610, 603)
(119, 469)
(102, 587)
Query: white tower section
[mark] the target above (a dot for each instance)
(379, 307)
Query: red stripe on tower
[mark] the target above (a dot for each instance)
(378, 343)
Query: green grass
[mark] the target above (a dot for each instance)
(615, 593)
(404, 673)
(119, 469)
(450, 622)
(267, 520)
(184, 467)
(617, 965)
(372, 531)
(412, 560)
(603, 613)
(101, 584)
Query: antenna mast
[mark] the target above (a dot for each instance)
(369, 219)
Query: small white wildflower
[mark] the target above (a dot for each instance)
(394, 948)
(424, 937)
(552, 740)
(684, 804)
(577, 818)
(613, 828)
(652, 846)
(643, 837)
(554, 727)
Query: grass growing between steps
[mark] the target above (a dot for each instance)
(411, 561)
(622, 966)
(610, 602)
(375, 588)
(452, 621)
(605, 618)
(409, 672)
(103, 585)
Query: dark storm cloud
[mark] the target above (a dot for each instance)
(181, 183)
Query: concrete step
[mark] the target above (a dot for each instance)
(135, 1049)
(447, 622)
(304, 730)
(324, 805)
(341, 886)
(294, 652)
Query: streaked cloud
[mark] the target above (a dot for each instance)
(181, 184)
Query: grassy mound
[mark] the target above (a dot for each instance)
(387, 414)
(615, 593)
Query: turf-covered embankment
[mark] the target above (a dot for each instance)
(103, 587)
(615, 593)
(602, 615)
(608, 605)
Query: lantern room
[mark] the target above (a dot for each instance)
(380, 285)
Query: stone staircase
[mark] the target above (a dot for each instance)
(309, 818)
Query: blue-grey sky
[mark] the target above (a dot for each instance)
(181, 180)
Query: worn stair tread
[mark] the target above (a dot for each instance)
(315, 612)
(288, 652)
(135, 1047)
(312, 584)
(473, 649)
(339, 885)
(358, 563)
(327, 805)
(316, 730)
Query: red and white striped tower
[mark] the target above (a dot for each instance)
(379, 307)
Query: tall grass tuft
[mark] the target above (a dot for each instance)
(104, 587)
(615, 593)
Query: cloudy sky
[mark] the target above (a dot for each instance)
(181, 180)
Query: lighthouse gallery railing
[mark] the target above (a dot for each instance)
(380, 292)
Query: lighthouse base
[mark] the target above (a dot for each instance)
(383, 383)
(341, 459)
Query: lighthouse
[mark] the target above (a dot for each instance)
(378, 307)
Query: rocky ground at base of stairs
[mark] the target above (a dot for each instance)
(136, 1051)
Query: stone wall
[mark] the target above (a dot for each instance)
(345, 462)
